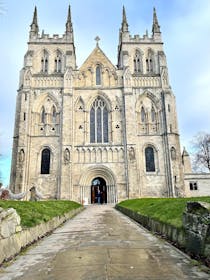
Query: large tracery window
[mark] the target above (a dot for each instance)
(45, 161)
(150, 159)
(99, 122)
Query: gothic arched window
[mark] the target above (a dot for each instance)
(98, 75)
(45, 161)
(44, 62)
(137, 62)
(43, 115)
(58, 62)
(99, 122)
(150, 159)
(143, 115)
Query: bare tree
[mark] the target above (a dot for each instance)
(201, 148)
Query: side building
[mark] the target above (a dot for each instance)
(99, 127)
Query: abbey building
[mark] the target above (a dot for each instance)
(98, 128)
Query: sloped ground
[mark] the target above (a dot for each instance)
(101, 243)
(166, 210)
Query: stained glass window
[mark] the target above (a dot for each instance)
(99, 122)
(150, 159)
(45, 162)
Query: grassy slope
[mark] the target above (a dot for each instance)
(34, 212)
(167, 210)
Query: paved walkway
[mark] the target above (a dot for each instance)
(101, 243)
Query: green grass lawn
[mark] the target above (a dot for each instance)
(167, 210)
(33, 213)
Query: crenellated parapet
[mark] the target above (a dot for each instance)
(50, 39)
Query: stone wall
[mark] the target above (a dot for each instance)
(196, 222)
(13, 238)
(201, 180)
(193, 237)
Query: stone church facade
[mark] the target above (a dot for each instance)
(99, 127)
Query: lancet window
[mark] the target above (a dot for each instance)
(45, 161)
(150, 159)
(98, 75)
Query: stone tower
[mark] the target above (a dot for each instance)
(97, 128)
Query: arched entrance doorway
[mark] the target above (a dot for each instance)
(90, 176)
(98, 191)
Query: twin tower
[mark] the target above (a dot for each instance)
(98, 128)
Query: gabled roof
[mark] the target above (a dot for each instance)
(97, 57)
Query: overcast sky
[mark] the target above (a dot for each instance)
(185, 26)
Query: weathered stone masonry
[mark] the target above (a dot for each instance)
(78, 130)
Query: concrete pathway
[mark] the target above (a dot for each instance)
(101, 243)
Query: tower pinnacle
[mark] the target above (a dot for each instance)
(69, 28)
(34, 25)
(155, 25)
(124, 21)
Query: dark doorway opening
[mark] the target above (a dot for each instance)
(98, 191)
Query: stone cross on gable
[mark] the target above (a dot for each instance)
(97, 39)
